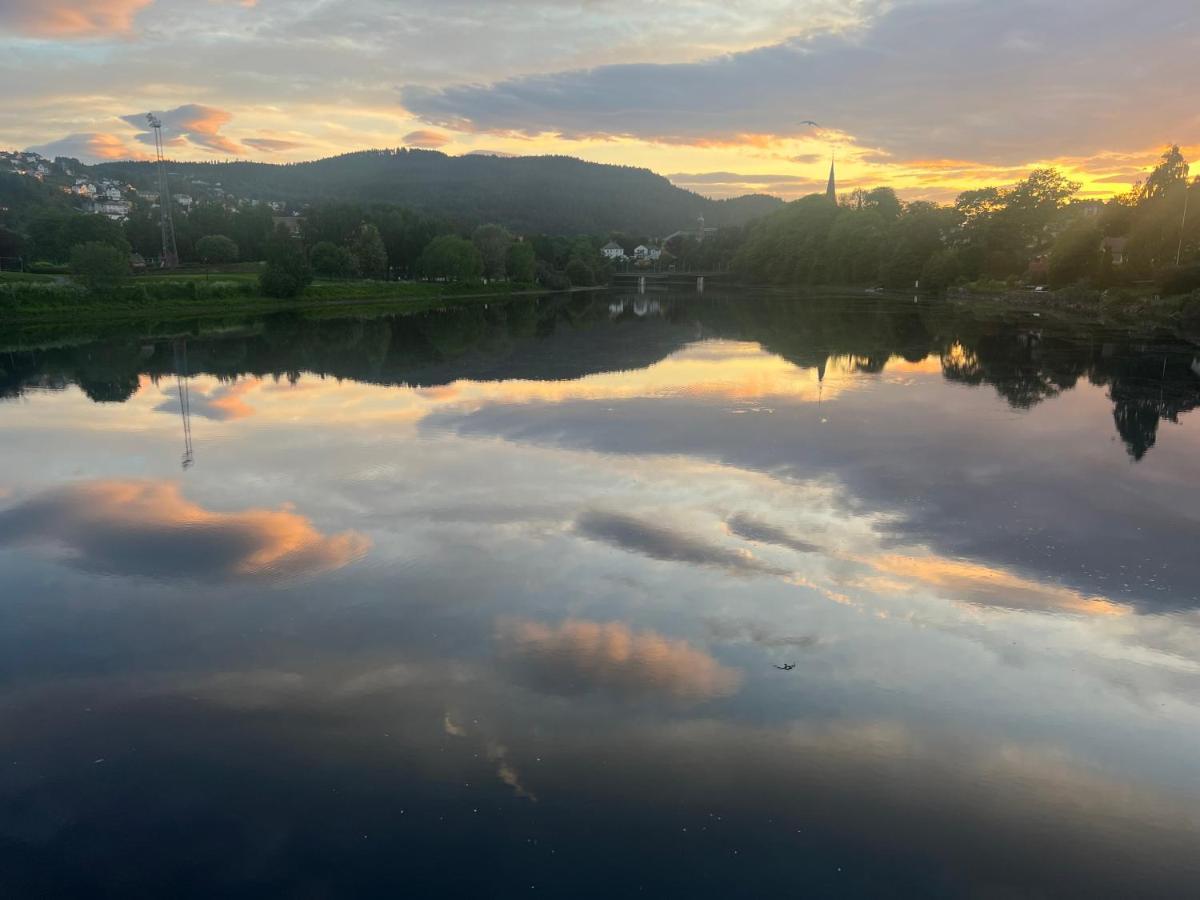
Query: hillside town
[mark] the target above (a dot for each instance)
(113, 199)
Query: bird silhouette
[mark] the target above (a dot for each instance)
(810, 122)
(787, 667)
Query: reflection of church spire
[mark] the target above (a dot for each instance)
(185, 401)
(831, 190)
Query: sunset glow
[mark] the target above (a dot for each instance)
(713, 97)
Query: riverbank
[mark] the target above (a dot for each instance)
(44, 300)
(1127, 309)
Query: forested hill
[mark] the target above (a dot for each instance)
(550, 194)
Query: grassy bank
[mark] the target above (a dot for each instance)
(32, 299)
(1140, 308)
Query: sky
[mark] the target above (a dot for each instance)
(929, 96)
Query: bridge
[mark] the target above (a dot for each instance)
(640, 281)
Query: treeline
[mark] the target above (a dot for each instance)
(1034, 231)
(346, 240)
(528, 195)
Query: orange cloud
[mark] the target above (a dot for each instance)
(71, 18)
(147, 528)
(193, 122)
(92, 146)
(579, 656)
(426, 138)
(987, 586)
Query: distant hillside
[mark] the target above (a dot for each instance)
(552, 194)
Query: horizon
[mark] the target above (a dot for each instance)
(930, 97)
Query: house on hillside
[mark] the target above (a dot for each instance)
(1117, 248)
(641, 251)
(291, 223)
(612, 250)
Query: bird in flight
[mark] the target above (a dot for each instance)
(810, 122)
(787, 667)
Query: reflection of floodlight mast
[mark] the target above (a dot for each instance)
(185, 402)
(170, 256)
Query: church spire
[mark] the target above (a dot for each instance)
(831, 190)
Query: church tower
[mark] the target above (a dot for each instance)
(831, 190)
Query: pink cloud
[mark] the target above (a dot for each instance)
(271, 145)
(90, 147)
(426, 138)
(70, 18)
(192, 123)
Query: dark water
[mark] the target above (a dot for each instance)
(490, 602)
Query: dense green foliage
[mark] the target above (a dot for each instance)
(1033, 231)
(99, 267)
(287, 272)
(216, 249)
(452, 258)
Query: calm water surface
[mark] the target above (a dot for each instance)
(493, 602)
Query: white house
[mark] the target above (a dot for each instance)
(113, 209)
(184, 200)
(641, 251)
(612, 250)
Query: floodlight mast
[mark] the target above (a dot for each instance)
(170, 254)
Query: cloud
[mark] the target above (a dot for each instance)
(426, 138)
(90, 147)
(990, 586)
(222, 403)
(71, 19)
(193, 124)
(923, 79)
(148, 529)
(579, 657)
(660, 542)
(271, 145)
(753, 530)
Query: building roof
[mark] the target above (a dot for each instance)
(612, 245)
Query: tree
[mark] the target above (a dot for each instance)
(369, 252)
(1076, 254)
(98, 266)
(287, 272)
(521, 262)
(579, 273)
(216, 249)
(493, 242)
(452, 258)
(1169, 174)
(332, 261)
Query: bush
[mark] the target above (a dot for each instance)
(1182, 280)
(452, 258)
(332, 261)
(99, 267)
(216, 249)
(550, 278)
(579, 273)
(287, 272)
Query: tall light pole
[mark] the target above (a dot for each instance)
(1187, 191)
(170, 255)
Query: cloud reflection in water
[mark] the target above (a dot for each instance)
(149, 529)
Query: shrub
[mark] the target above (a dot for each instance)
(216, 249)
(287, 272)
(332, 261)
(98, 267)
(1182, 280)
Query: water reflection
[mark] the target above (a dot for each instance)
(148, 528)
(514, 586)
